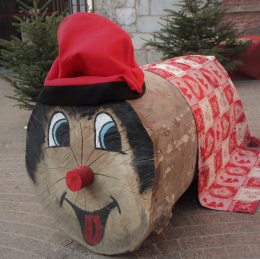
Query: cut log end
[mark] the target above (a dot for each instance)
(110, 174)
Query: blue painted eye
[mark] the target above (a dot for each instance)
(60, 131)
(107, 134)
(104, 132)
(59, 135)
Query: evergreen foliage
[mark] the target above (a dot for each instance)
(197, 29)
(31, 58)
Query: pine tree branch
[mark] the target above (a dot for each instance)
(30, 59)
(189, 31)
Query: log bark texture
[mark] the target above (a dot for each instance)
(172, 128)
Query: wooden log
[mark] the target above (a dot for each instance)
(172, 128)
(142, 154)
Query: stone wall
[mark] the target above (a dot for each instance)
(140, 19)
(246, 14)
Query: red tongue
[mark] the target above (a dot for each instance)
(93, 229)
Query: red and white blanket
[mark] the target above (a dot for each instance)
(229, 158)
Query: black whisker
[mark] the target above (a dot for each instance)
(74, 155)
(52, 185)
(91, 154)
(97, 159)
(95, 196)
(106, 176)
(81, 142)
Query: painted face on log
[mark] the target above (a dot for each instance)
(111, 142)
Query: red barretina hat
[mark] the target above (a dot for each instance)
(95, 65)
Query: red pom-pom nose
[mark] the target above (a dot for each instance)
(79, 178)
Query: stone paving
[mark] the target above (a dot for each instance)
(194, 232)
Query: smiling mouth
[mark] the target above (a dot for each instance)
(92, 224)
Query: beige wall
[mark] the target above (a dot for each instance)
(140, 19)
